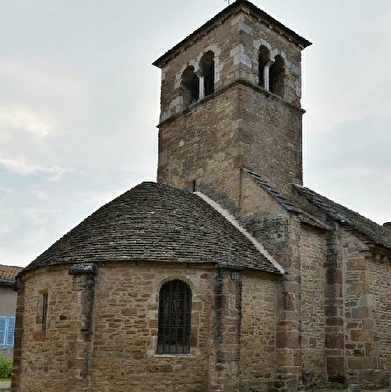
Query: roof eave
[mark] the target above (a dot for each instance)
(8, 283)
(342, 220)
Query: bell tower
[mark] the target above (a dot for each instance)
(230, 100)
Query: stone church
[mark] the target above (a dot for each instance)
(227, 274)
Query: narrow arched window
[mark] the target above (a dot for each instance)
(190, 86)
(276, 76)
(174, 322)
(207, 65)
(263, 60)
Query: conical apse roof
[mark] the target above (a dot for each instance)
(155, 222)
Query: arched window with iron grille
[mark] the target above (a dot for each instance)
(174, 320)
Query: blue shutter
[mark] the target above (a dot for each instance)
(10, 333)
(3, 321)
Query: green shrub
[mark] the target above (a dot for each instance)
(5, 367)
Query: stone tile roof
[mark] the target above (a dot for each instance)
(155, 222)
(303, 216)
(221, 16)
(374, 232)
(8, 272)
(274, 193)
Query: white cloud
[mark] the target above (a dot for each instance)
(21, 166)
(45, 79)
(23, 120)
(42, 195)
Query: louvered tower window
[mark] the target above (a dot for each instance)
(174, 318)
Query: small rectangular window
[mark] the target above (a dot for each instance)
(44, 313)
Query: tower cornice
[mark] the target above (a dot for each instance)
(235, 83)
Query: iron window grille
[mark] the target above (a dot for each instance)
(174, 322)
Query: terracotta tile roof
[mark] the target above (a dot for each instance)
(8, 272)
(376, 233)
(224, 14)
(155, 222)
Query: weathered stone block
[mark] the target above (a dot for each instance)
(362, 363)
(287, 339)
(361, 335)
(335, 340)
(357, 264)
(335, 366)
(361, 313)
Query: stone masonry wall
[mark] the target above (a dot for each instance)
(313, 257)
(361, 336)
(379, 267)
(264, 218)
(102, 324)
(258, 343)
(47, 357)
(271, 138)
(256, 201)
(125, 335)
(196, 147)
(224, 357)
(124, 332)
(288, 342)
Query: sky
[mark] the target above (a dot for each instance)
(79, 105)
